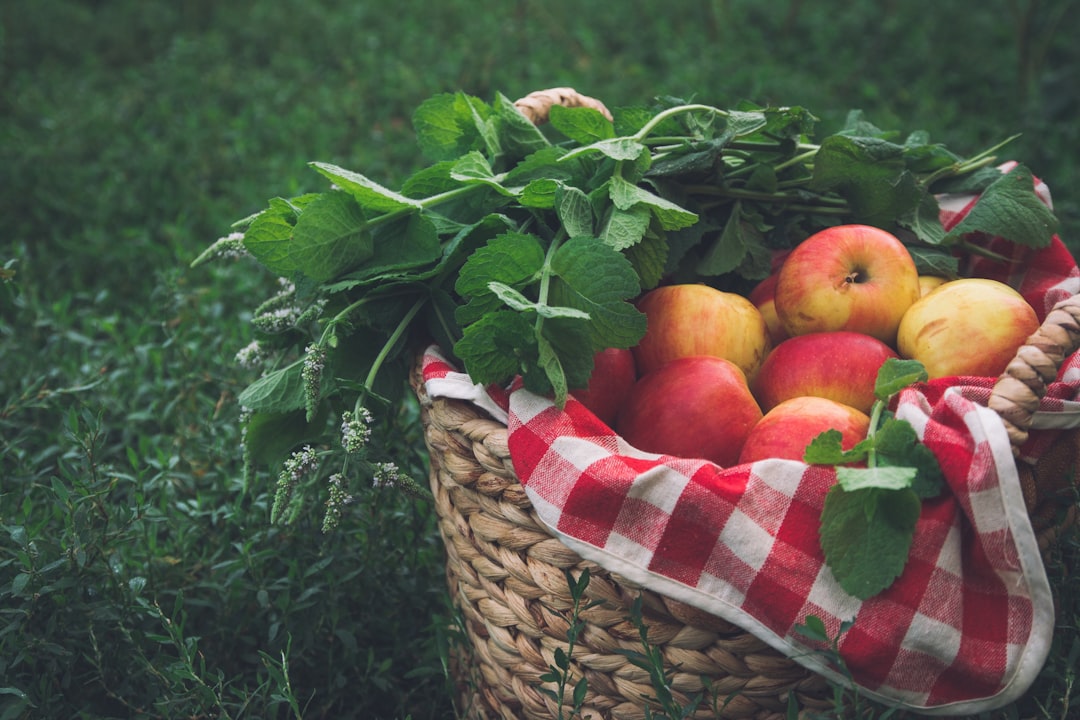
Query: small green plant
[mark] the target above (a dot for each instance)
(651, 659)
(559, 674)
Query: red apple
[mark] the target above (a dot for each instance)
(786, 430)
(839, 365)
(614, 374)
(971, 326)
(689, 319)
(694, 407)
(848, 277)
(764, 298)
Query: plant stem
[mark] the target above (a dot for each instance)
(641, 134)
(402, 326)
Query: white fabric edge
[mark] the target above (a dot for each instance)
(1034, 653)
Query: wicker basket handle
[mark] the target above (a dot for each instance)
(1018, 391)
(536, 106)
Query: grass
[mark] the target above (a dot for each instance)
(138, 575)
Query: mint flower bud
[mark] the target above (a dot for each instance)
(356, 429)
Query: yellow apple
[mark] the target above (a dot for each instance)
(689, 319)
(971, 326)
(848, 277)
(764, 298)
(929, 282)
(786, 430)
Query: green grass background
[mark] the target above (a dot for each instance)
(137, 576)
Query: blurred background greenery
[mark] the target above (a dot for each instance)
(137, 576)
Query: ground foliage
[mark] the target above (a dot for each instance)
(138, 576)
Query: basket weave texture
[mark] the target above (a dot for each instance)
(506, 574)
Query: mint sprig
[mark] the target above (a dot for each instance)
(521, 249)
(868, 520)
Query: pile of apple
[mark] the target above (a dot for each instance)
(736, 379)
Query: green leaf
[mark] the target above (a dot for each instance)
(935, 261)
(730, 247)
(446, 125)
(517, 136)
(593, 278)
(368, 193)
(626, 228)
(886, 478)
(539, 194)
(871, 174)
(497, 346)
(574, 210)
(1010, 209)
(626, 195)
(269, 436)
(649, 259)
(583, 125)
(512, 259)
(866, 536)
(553, 371)
(620, 148)
(474, 168)
(516, 301)
(925, 221)
(279, 391)
(895, 374)
(827, 449)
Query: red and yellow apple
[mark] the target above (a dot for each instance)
(847, 277)
(839, 365)
(689, 319)
(786, 430)
(614, 374)
(764, 298)
(970, 326)
(694, 407)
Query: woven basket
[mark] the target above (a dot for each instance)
(507, 574)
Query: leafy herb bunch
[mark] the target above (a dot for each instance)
(521, 248)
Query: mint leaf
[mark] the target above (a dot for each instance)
(599, 281)
(279, 391)
(446, 125)
(895, 375)
(626, 195)
(516, 301)
(513, 259)
(620, 148)
(270, 436)
(729, 249)
(1010, 209)
(368, 193)
(886, 478)
(625, 228)
(827, 449)
(897, 444)
(330, 236)
(866, 536)
(574, 211)
(934, 261)
(871, 174)
(497, 346)
(473, 168)
(649, 259)
(517, 136)
(581, 124)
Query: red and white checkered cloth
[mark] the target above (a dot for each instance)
(965, 628)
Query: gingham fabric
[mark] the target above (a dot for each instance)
(967, 625)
